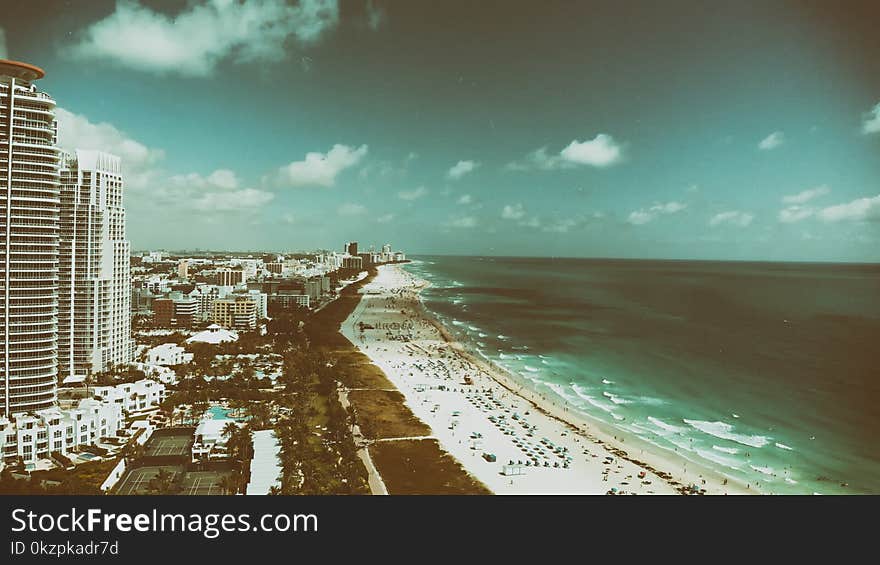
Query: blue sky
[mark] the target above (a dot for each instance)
(669, 130)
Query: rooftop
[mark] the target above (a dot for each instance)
(20, 70)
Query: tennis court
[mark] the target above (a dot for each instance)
(202, 482)
(168, 445)
(137, 481)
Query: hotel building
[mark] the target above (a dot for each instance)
(94, 298)
(29, 199)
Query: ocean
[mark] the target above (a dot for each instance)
(764, 372)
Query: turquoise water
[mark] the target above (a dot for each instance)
(764, 372)
(219, 412)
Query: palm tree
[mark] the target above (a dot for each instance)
(233, 436)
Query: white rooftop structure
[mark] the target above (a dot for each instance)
(168, 354)
(265, 466)
(214, 334)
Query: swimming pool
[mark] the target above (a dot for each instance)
(219, 413)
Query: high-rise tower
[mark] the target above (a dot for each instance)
(94, 298)
(29, 199)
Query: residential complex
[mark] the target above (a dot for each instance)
(64, 277)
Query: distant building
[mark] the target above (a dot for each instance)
(183, 269)
(275, 268)
(352, 263)
(351, 248)
(239, 312)
(186, 310)
(313, 289)
(228, 277)
(261, 300)
(163, 311)
(141, 300)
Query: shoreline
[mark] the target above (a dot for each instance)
(594, 461)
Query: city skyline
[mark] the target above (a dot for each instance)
(498, 130)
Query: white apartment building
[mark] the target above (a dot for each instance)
(35, 435)
(132, 397)
(168, 354)
(28, 228)
(261, 299)
(94, 298)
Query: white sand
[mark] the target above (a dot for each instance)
(419, 357)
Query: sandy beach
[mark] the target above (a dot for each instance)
(476, 410)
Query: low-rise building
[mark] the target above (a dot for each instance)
(168, 354)
(35, 435)
(210, 443)
(132, 397)
(213, 335)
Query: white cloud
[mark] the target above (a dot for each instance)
(75, 131)
(193, 42)
(796, 213)
(513, 212)
(537, 159)
(4, 53)
(733, 217)
(385, 219)
(645, 215)
(806, 195)
(248, 198)
(871, 123)
(351, 209)
(321, 169)
(145, 181)
(772, 141)
(602, 151)
(413, 194)
(639, 217)
(464, 222)
(465, 199)
(861, 209)
(461, 168)
(562, 226)
(221, 178)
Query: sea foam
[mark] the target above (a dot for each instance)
(723, 430)
(764, 470)
(589, 399)
(615, 399)
(664, 426)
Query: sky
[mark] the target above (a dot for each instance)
(681, 130)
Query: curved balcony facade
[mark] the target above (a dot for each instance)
(29, 200)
